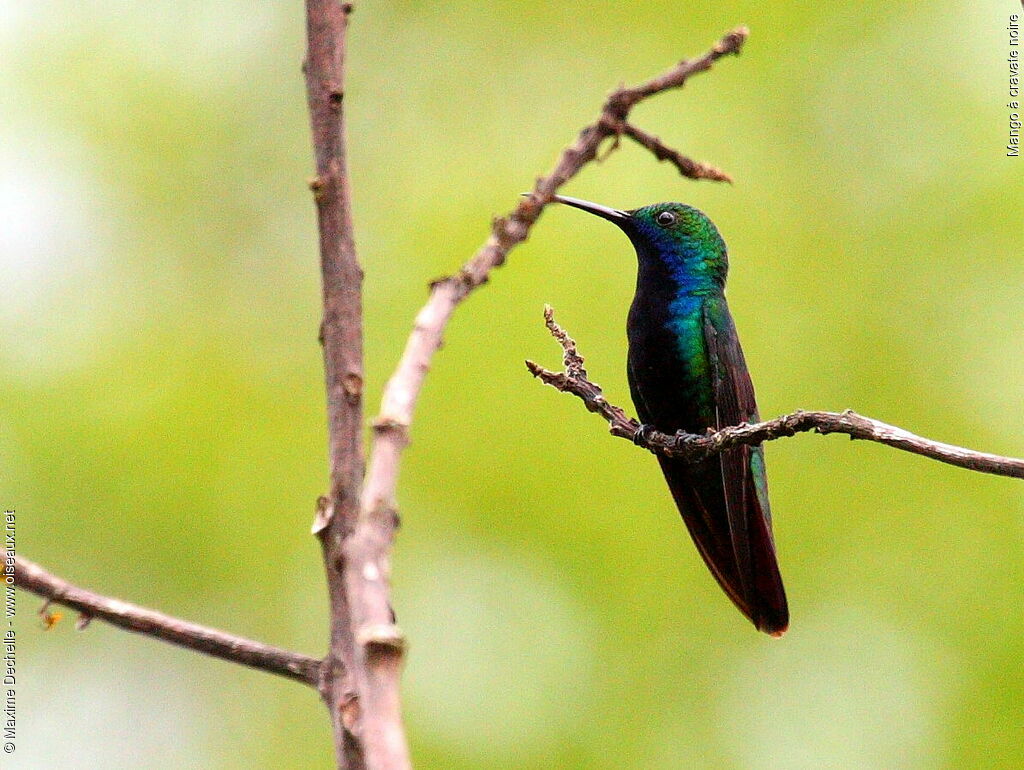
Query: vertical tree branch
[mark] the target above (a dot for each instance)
(341, 334)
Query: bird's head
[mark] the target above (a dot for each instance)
(677, 236)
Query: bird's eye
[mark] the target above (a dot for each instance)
(665, 218)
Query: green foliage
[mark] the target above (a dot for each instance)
(162, 427)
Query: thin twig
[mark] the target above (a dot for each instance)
(367, 552)
(688, 167)
(219, 644)
(341, 333)
(694, 447)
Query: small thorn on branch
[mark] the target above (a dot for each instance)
(323, 516)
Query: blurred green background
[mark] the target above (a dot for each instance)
(162, 421)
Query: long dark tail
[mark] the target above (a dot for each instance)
(724, 502)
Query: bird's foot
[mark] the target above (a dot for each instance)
(642, 435)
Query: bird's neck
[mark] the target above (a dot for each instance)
(676, 279)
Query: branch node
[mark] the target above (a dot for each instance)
(348, 708)
(323, 516)
(318, 187)
(352, 384)
(385, 425)
(381, 638)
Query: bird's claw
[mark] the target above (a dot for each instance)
(642, 435)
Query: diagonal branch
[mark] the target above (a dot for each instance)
(694, 447)
(219, 644)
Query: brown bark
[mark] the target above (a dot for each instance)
(341, 333)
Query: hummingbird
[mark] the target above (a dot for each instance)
(686, 372)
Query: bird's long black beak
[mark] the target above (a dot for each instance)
(619, 217)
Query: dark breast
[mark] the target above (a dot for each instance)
(667, 363)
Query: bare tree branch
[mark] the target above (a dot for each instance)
(367, 565)
(31, 577)
(688, 167)
(694, 447)
(341, 333)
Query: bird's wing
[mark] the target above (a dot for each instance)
(642, 410)
(743, 478)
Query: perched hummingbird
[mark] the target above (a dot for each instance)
(686, 372)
